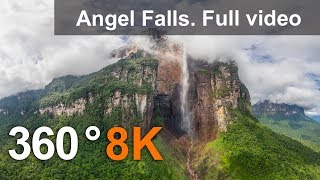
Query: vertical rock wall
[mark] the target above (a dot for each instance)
(215, 88)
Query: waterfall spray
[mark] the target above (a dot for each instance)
(186, 121)
(185, 111)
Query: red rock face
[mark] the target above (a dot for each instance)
(167, 99)
(214, 90)
(168, 77)
(205, 124)
(169, 69)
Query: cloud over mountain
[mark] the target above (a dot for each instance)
(30, 55)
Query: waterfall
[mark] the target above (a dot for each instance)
(185, 111)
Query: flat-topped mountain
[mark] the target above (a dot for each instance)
(289, 120)
(279, 111)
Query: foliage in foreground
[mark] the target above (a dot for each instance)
(91, 160)
(249, 150)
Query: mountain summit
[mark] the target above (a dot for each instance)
(279, 111)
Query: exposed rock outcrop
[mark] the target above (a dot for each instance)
(4, 111)
(277, 111)
(135, 103)
(165, 102)
(136, 109)
(215, 88)
(268, 108)
(167, 99)
(77, 107)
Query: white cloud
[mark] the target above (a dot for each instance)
(285, 79)
(30, 54)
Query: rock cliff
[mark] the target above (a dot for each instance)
(76, 108)
(278, 111)
(215, 89)
(267, 107)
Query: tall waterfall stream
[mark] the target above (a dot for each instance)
(185, 112)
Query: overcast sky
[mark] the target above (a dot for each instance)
(280, 68)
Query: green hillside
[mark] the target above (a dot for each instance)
(308, 132)
(250, 150)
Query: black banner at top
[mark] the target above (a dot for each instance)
(187, 17)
